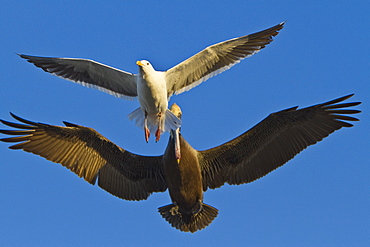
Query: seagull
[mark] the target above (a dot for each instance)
(154, 88)
(250, 156)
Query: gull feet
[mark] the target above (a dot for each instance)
(147, 134)
(157, 135)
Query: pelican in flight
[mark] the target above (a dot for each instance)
(154, 88)
(252, 155)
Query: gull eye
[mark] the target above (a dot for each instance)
(147, 63)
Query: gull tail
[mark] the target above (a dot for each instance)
(138, 115)
(172, 122)
(189, 222)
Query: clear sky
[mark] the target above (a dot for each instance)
(320, 198)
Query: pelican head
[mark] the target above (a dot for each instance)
(175, 109)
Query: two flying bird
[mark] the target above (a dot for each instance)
(250, 156)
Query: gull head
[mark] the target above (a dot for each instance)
(145, 65)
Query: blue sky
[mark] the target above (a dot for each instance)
(320, 198)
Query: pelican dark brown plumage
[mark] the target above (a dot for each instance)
(252, 155)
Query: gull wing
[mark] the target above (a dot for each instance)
(91, 156)
(273, 142)
(215, 59)
(89, 74)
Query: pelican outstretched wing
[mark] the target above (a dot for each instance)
(91, 156)
(273, 142)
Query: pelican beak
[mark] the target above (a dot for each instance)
(176, 138)
(139, 63)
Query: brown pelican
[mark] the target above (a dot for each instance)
(154, 88)
(252, 155)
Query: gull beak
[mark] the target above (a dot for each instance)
(176, 138)
(139, 63)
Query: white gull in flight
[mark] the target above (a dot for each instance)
(154, 88)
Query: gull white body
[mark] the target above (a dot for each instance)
(152, 92)
(152, 96)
